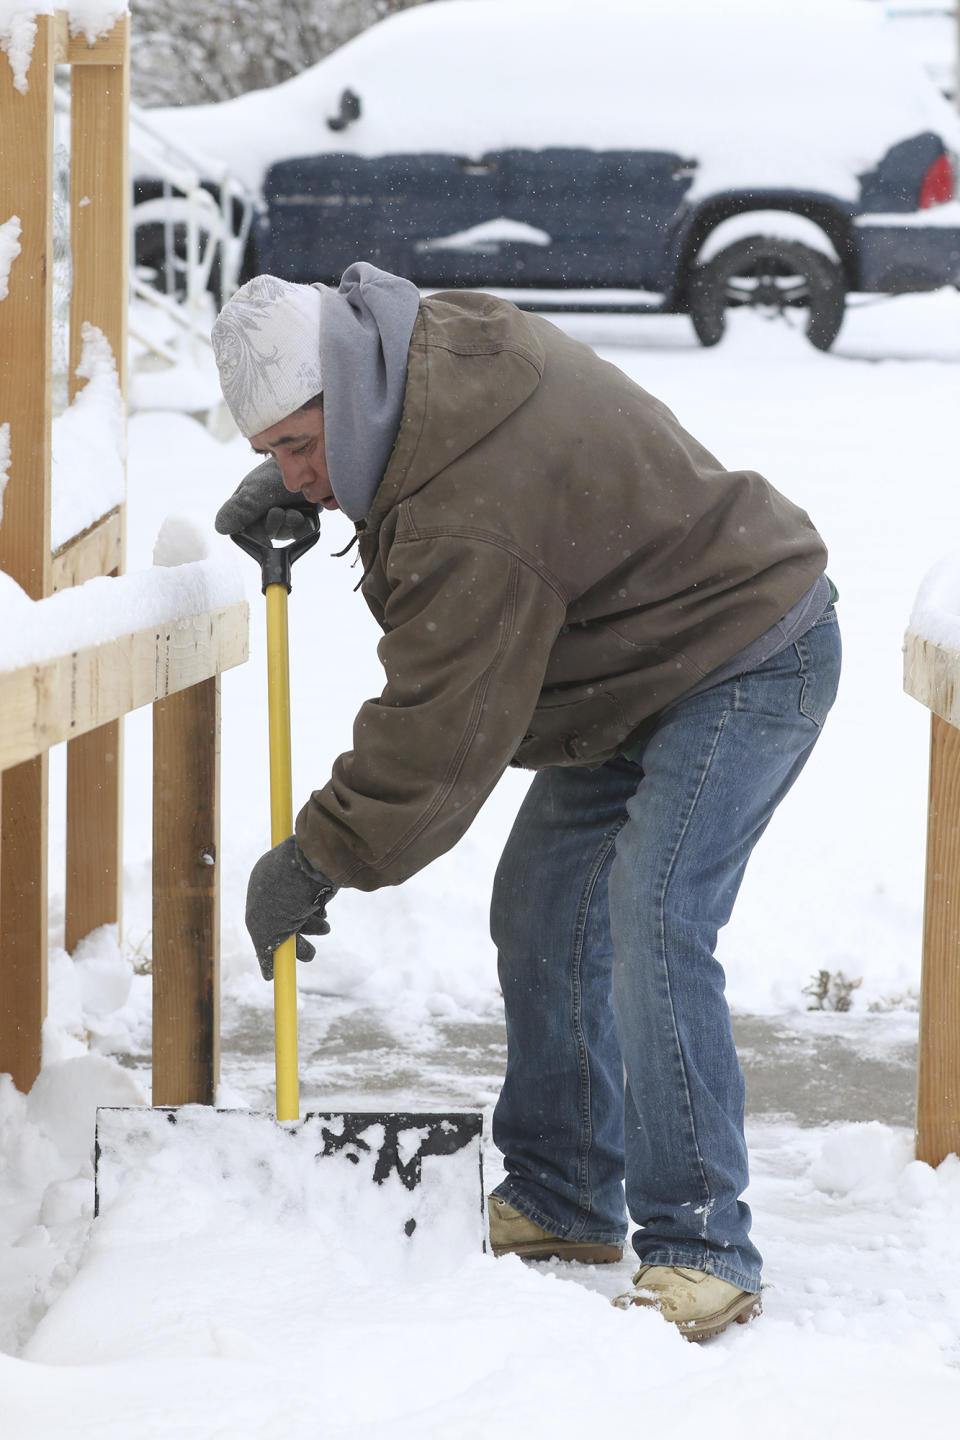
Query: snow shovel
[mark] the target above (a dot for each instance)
(396, 1151)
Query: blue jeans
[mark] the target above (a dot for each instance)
(606, 907)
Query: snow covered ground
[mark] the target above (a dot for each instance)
(246, 1311)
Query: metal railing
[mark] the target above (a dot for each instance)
(206, 225)
(204, 215)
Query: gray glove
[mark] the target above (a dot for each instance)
(286, 896)
(262, 496)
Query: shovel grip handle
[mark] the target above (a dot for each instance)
(275, 561)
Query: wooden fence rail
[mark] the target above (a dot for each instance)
(177, 668)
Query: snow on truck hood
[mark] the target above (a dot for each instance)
(799, 93)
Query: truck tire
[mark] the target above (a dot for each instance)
(774, 276)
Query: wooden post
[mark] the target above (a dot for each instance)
(186, 908)
(938, 1071)
(26, 315)
(99, 235)
(26, 352)
(100, 194)
(23, 905)
(94, 858)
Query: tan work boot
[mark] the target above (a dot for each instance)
(700, 1305)
(513, 1234)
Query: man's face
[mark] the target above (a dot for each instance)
(297, 445)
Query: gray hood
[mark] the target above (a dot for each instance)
(365, 335)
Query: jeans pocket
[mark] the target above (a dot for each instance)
(819, 653)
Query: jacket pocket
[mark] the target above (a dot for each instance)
(585, 731)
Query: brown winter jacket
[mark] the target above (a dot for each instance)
(552, 559)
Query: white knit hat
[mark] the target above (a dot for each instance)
(266, 342)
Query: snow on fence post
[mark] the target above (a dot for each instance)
(932, 676)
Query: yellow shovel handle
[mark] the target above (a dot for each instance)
(281, 825)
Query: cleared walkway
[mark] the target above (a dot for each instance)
(812, 1069)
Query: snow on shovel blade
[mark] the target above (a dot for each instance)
(402, 1174)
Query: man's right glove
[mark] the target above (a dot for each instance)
(286, 896)
(262, 495)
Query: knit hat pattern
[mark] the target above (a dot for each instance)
(266, 342)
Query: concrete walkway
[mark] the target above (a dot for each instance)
(812, 1069)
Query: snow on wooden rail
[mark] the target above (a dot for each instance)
(56, 699)
(932, 676)
(174, 663)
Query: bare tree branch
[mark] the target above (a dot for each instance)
(192, 52)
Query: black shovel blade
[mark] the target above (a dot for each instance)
(424, 1165)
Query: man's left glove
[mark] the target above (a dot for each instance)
(262, 496)
(286, 896)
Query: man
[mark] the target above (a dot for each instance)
(566, 581)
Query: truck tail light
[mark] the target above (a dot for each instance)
(938, 185)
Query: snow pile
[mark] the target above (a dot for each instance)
(936, 610)
(862, 1159)
(9, 250)
(180, 541)
(237, 1287)
(4, 461)
(46, 1180)
(89, 444)
(18, 26)
(245, 1198)
(15, 601)
(865, 1248)
(18, 31)
(94, 18)
(99, 1001)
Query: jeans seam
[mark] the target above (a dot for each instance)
(803, 658)
(583, 1067)
(665, 969)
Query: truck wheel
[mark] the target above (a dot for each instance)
(777, 277)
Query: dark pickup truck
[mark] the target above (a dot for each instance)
(614, 221)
